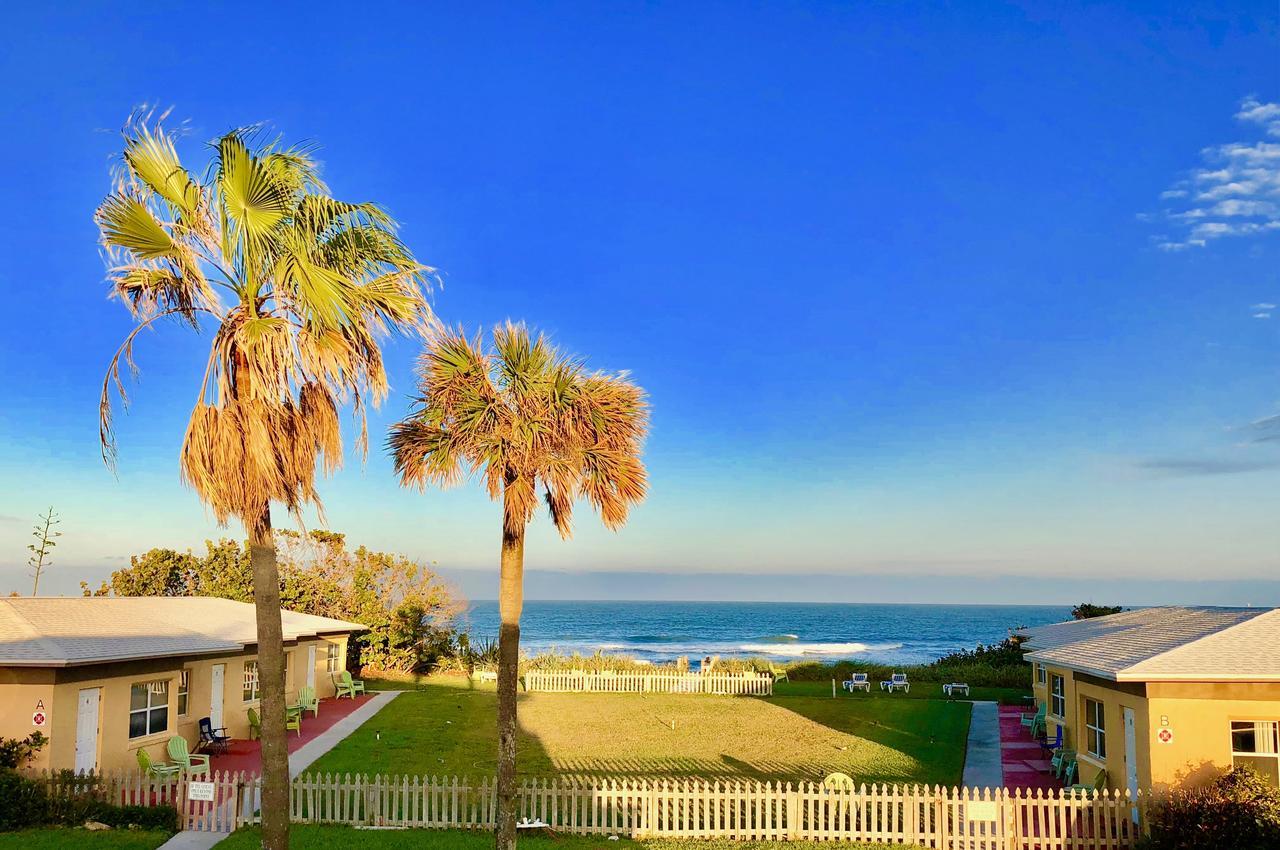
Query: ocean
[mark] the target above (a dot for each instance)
(663, 631)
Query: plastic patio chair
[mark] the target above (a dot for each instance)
(255, 724)
(349, 686)
(1030, 720)
(293, 719)
(184, 758)
(857, 681)
(213, 740)
(308, 701)
(1060, 761)
(1099, 784)
(1055, 744)
(156, 769)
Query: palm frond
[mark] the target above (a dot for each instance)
(521, 418)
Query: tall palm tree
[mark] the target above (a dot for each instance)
(297, 288)
(524, 418)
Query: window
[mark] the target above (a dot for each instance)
(1095, 724)
(1040, 673)
(1256, 744)
(184, 686)
(148, 708)
(331, 658)
(250, 681)
(1057, 696)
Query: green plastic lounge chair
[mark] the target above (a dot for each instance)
(1099, 784)
(779, 674)
(156, 769)
(255, 725)
(184, 758)
(1031, 720)
(308, 701)
(293, 719)
(348, 686)
(1061, 760)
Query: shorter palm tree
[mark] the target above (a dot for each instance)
(524, 418)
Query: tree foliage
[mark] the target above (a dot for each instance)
(408, 608)
(1087, 611)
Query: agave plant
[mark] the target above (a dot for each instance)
(524, 418)
(297, 288)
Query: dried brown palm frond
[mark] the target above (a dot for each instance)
(299, 286)
(524, 418)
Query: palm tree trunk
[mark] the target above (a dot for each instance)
(275, 747)
(510, 601)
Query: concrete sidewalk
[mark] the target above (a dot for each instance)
(982, 759)
(298, 762)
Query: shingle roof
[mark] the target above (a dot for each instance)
(1166, 644)
(56, 632)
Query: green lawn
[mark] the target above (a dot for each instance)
(446, 727)
(342, 838)
(57, 838)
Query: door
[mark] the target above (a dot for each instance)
(311, 666)
(87, 730)
(217, 690)
(1131, 757)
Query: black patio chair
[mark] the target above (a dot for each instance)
(213, 740)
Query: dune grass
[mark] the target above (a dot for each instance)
(446, 727)
(341, 838)
(58, 838)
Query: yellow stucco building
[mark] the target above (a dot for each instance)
(1161, 697)
(103, 677)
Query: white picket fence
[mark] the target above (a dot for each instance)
(666, 682)
(933, 817)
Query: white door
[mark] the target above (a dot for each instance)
(87, 730)
(1131, 757)
(216, 692)
(311, 666)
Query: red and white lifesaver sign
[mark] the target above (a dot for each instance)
(1165, 736)
(39, 718)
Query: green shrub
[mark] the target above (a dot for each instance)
(22, 802)
(15, 751)
(1238, 811)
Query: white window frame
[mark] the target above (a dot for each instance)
(1058, 700)
(332, 656)
(1095, 725)
(184, 692)
(1042, 675)
(1275, 742)
(151, 690)
(251, 686)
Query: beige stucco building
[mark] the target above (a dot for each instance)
(1162, 697)
(102, 677)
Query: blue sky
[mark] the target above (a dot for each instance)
(918, 295)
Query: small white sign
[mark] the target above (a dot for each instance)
(39, 718)
(981, 810)
(203, 791)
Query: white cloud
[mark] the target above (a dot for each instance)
(1236, 190)
(1257, 112)
(1262, 315)
(1263, 305)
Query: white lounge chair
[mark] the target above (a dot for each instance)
(857, 681)
(896, 682)
(953, 688)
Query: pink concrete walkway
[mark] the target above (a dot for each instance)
(1024, 763)
(246, 756)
